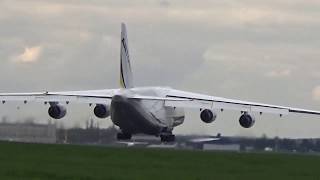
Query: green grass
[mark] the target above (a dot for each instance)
(41, 161)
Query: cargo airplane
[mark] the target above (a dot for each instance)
(148, 110)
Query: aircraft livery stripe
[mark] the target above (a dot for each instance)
(122, 82)
(124, 45)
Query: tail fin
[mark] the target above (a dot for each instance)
(126, 79)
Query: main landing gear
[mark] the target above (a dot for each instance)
(167, 137)
(123, 136)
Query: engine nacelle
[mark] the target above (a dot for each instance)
(246, 120)
(208, 116)
(57, 111)
(101, 111)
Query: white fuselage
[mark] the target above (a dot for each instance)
(144, 116)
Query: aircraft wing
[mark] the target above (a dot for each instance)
(90, 96)
(194, 100)
(202, 140)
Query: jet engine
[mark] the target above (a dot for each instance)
(101, 111)
(57, 111)
(208, 116)
(246, 120)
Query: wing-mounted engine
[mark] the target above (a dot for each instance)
(208, 116)
(246, 120)
(101, 111)
(57, 111)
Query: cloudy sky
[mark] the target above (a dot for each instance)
(264, 51)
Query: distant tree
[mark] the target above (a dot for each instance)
(4, 119)
(317, 145)
(305, 146)
(29, 120)
(287, 144)
(263, 142)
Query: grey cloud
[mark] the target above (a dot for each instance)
(164, 3)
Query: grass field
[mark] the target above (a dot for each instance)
(41, 161)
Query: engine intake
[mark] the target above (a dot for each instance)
(101, 111)
(208, 116)
(246, 120)
(57, 111)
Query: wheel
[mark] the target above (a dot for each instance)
(124, 136)
(167, 138)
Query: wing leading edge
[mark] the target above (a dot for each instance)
(194, 100)
(91, 96)
(174, 98)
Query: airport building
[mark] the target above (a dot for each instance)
(28, 132)
(222, 147)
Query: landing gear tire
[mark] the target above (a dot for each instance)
(124, 136)
(167, 138)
